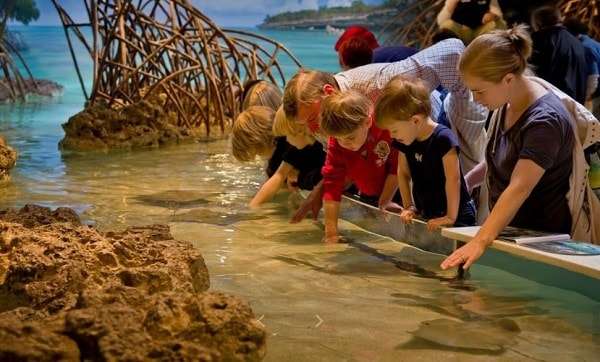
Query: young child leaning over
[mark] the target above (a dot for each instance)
(357, 152)
(253, 135)
(301, 161)
(428, 156)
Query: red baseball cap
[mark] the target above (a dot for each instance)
(357, 31)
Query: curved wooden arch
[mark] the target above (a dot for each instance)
(142, 48)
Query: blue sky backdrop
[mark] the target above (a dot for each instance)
(225, 12)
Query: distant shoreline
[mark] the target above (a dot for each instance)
(374, 18)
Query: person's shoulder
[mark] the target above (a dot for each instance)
(442, 132)
(444, 138)
(548, 110)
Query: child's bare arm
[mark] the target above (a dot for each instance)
(452, 188)
(389, 189)
(452, 173)
(404, 178)
(273, 184)
(404, 181)
(332, 211)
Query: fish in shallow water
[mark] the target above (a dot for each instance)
(214, 217)
(471, 306)
(483, 336)
(174, 199)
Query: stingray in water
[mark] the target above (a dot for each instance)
(174, 199)
(215, 217)
(471, 306)
(478, 336)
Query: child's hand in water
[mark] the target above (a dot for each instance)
(332, 239)
(437, 223)
(407, 215)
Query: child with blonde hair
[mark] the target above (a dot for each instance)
(301, 161)
(258, 92)
(428, 157)
(357, 152)
(252, 134)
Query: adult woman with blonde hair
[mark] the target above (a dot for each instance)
(533, 150)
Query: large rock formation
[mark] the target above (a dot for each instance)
(143, 124)
(69, 292)
(8, 158)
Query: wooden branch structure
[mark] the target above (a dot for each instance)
(416, 24)
(12, 81)
(143, 48)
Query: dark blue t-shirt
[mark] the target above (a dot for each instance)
(392, 54)
(542, 134)
(428, 177)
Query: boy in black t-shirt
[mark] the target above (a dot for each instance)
(428, 156)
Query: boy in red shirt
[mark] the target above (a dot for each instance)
(357, 152)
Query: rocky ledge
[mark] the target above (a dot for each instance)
(8, 159)
(139, 125)
(69, 292)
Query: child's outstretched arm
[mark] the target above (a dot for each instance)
(404, 185)
(387, 193)
(452, 188)
(332, 212)
(273, 184)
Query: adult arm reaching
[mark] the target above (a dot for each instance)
(524, 178)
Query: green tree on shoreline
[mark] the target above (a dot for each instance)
(23, 11)
(12, 83)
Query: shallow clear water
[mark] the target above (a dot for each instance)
(318, 302)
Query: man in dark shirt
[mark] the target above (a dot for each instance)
(558, 56)
(592, 53)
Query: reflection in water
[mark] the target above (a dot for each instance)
(370, 299)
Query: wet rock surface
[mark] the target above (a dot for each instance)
(70, 292)
(139, 125)
(8, 159)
